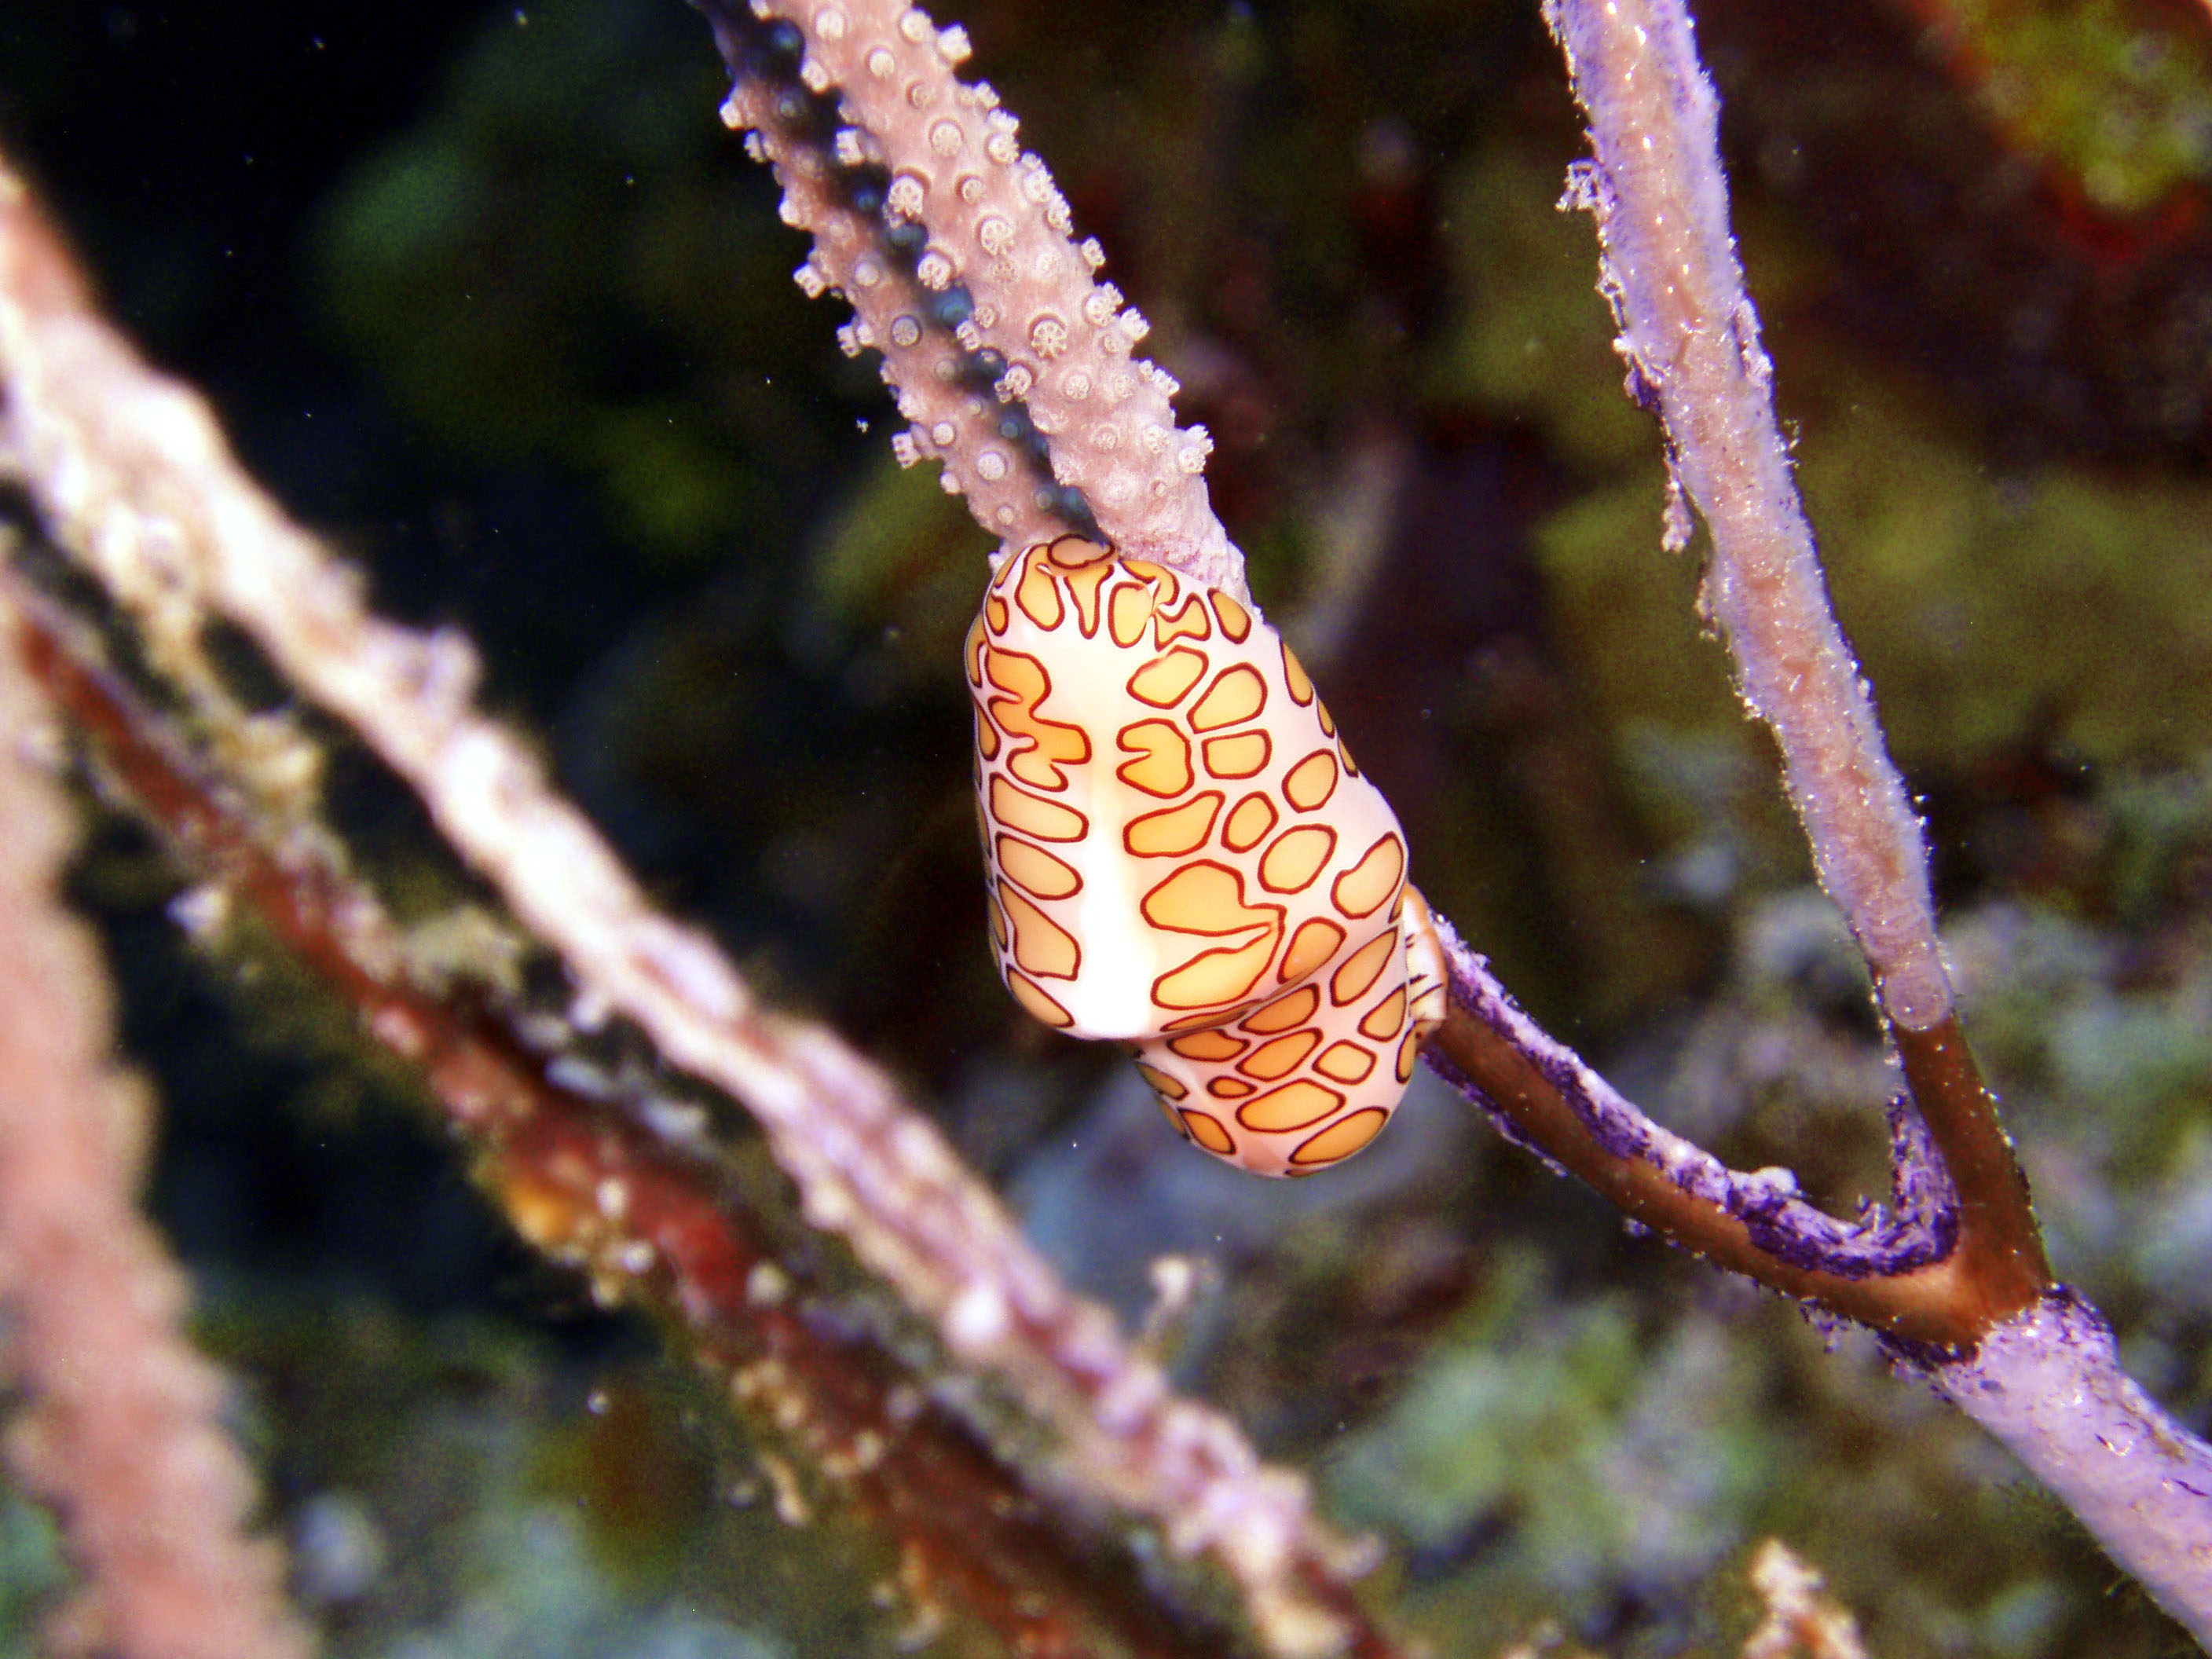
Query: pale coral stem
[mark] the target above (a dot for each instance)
(1691, 340)
(1000, 265)
(121, 1429)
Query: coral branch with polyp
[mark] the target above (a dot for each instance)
(1962, 1261)
(132, 477)
(953, 246)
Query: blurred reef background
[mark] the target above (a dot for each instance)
(487, 292)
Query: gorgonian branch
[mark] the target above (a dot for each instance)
(953, 246)
(2021, 1355)
(2048, 1382)
(1690, 337)
(121, 1424)
(1544, 1096)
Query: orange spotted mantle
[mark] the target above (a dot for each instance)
(1183, 856)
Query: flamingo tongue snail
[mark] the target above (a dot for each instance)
(1182, 855)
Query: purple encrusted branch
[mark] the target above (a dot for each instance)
(1920, 1228)
(1957, 1284)
(1669, 267)
(1958, 1251)
(1689, 336)
(2049, 1384)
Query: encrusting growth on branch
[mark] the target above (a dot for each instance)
(1690, 337)
(2049, 1384)
(1908, 1276)
(2023, 1356)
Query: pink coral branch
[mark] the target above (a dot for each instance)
(906, 168)
(121, 1433)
